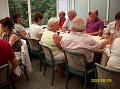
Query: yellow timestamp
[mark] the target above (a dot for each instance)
(101, 80)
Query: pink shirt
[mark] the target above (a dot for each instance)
(80, 42)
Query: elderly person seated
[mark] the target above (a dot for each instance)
(113, 61)
(112, 26)
(51, 39)
(71, 15)
(111, 31)
(7, 55)
(35, 29)
(79, 41)
(94, 25)
(11, 37)
(61, 18)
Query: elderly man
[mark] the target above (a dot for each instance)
(61, 18)
(94, 25)
(79, 41)
(71, 15)
(112, 26)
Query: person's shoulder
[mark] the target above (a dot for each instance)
(117, 39)
(35, 26)
(17, 25)
(100, 20)
(3, 43)
(112, 23)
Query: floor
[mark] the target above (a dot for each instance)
(38, 81)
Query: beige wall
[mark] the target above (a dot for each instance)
(4, 8)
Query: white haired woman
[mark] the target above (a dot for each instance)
(52, 40)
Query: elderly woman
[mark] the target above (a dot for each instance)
(35, 29)
(51, 39)
(79, 41)
(11, 37)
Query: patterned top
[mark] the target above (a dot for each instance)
(80, 42)
(17, 45)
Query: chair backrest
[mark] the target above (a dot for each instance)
(34, 44)
(4, 74)
(48, 52)
(107, 78)
(76, 60)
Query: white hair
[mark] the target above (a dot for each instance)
(50, 23)
(78, 24)
(73, 12)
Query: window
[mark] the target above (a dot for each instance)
(47, 7)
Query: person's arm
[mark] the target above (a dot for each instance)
(57, 40)
(14, 63)
(100, 29)
(11, 58)
(106, 32)
(99, 32)
(13, 39)
(104, 43)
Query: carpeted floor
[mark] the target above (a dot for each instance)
(38, 81)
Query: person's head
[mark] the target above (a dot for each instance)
(71, 14)
(93, 14)
(7, 24)
(22, 33)
(78, 24)
(17, 18)
(61, 14)
(38, 17)
(53, 24)
(117, 18)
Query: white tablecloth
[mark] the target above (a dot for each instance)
(24, 56)
(99, 40)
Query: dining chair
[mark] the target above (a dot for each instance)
(106, 78)
(50, 61)
(76, 63)
(6, 77)
(24, 68)
(35, 49)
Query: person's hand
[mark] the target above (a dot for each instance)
(105, 36)
(104, 43)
